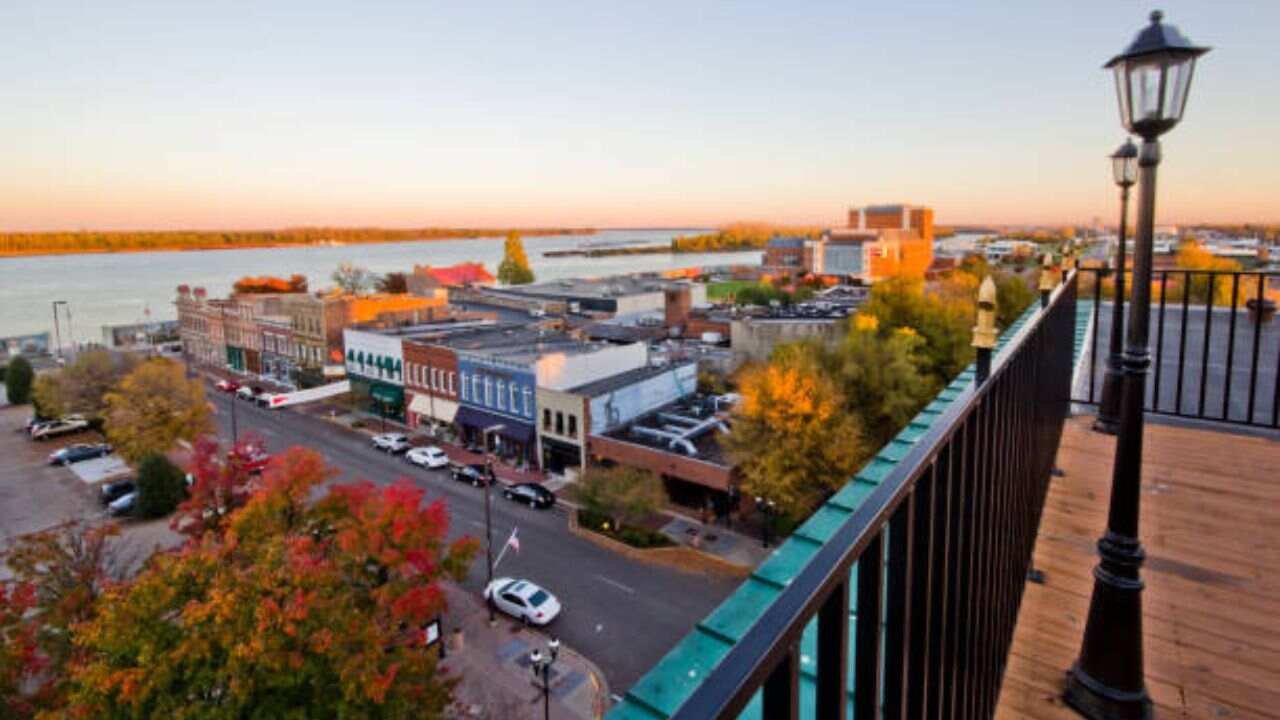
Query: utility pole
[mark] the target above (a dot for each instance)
(57, 332)
(490, 478)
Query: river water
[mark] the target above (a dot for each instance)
(114, 289)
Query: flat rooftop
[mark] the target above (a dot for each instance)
(604, 287)
(695, 407)
(516, 342)
(621, 380)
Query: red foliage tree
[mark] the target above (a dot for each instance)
(219, 484)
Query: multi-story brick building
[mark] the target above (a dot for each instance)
(200, 327)
(431, 381)
(278, 361)
(881, 241)
(316, 323)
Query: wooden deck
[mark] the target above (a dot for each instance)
(1211, 528)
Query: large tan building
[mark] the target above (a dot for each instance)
(881, 241)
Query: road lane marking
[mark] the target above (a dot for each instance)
(616, 584)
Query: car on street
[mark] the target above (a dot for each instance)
(531, 494)
(123, 506)
(227, 386)
(523, 600)
(476, 474)
(391, 442)
(112, 491)
(77, 452)
(246, 392)
(62, 426)
(427, 457)
(271, 399)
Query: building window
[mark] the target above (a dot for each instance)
(452, 392)
(502, 403)
(475, 388)
(528, 406)
(464, 386)
(488, 392)
(573, 426)
(546, 420)
(559, 423)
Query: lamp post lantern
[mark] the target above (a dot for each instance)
(767, 508)
(1124, 169)
(541, 664)
(1152, 78)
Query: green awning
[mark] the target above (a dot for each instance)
(391, 396)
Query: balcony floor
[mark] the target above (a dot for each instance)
(1211, 528)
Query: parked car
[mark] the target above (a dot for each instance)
(79, 451)
(531, 494)
(477, 474)
(227, 386)
(427, 457)
(112, 491)
(250, 393)
(391, 442)
(62, 426)
(123, 506)
(271, 399)
(33, 421)
(523, 600)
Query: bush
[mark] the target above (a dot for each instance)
(161, 486)
(636, 537)
(17, 381)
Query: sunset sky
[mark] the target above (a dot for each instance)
(267, 114)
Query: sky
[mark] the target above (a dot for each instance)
(133, 115)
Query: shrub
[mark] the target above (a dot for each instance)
(636, 537)
(17, 381)
(161, 486)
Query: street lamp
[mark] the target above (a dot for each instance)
(541, 665)
(768, 508)
(488, 522)
(1124, 169)
(57, 332)
(1152, 78)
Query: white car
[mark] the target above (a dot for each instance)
(427, 457)
(523, 600)
(391, 442)
(61, 426)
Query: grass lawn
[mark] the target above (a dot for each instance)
(723, 290)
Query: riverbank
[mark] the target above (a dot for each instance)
(642, 250)
(89, 243)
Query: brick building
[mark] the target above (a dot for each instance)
(881, 241)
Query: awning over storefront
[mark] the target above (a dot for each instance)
(438, 408)
(513, 429)
(382, 393)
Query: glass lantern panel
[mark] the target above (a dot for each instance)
(1131, 170)
(1144, 89)
(1118, 170)
(1177, 79)
(1122, 96)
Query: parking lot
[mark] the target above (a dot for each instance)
(36, 496)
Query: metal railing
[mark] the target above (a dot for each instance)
(942, 548)
(1216, 351)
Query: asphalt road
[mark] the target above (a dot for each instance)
(1176, 357)
(622, 614)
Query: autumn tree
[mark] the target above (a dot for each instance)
(1013, 290)
(46, 396)
(791, 438)
(220, 484)
(625, 495)
(301, 608)
(82, 385)
(1193, 256)
(943, 317)
(352, 279)
(17, 380)
(153, 407)
(514, 269)
(269, 284)
(58, 576)
(395, 283)
(880, 377)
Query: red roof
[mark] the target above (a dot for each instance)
(461, 274)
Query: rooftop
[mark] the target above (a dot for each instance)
(603, 287)
(621, 380)
(521, 343)
(695, 408)
(1210, 509)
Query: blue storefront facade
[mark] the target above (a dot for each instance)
(498, 392)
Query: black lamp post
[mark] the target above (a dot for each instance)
(489, 480)
(1152, 78)
(1124, 168)
(767, 507)
(541, 665)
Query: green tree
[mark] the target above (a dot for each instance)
(943, 317)
(514, 269)
(791, 439)
(17, 381)
(1013, 290)
(153, 407)
(83, 384)
(46, 396)
(161, 486)
(626, 495)
(880, 377)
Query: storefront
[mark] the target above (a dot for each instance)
(235, 358)
(380, 398)
(513, 442)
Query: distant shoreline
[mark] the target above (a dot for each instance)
(16, 245)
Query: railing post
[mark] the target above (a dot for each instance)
(833, 654)
(1046, 281)
(984, 333)
(782, 688)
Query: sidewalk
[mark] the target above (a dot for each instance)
(496, 682)
(715, 540)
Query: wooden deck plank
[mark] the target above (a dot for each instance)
(1211, 623)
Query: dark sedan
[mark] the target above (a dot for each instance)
(477, 474)
(113, 491)
(79, 451)
(531, 494)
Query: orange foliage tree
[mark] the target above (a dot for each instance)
(269, 284)
(297, 608)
